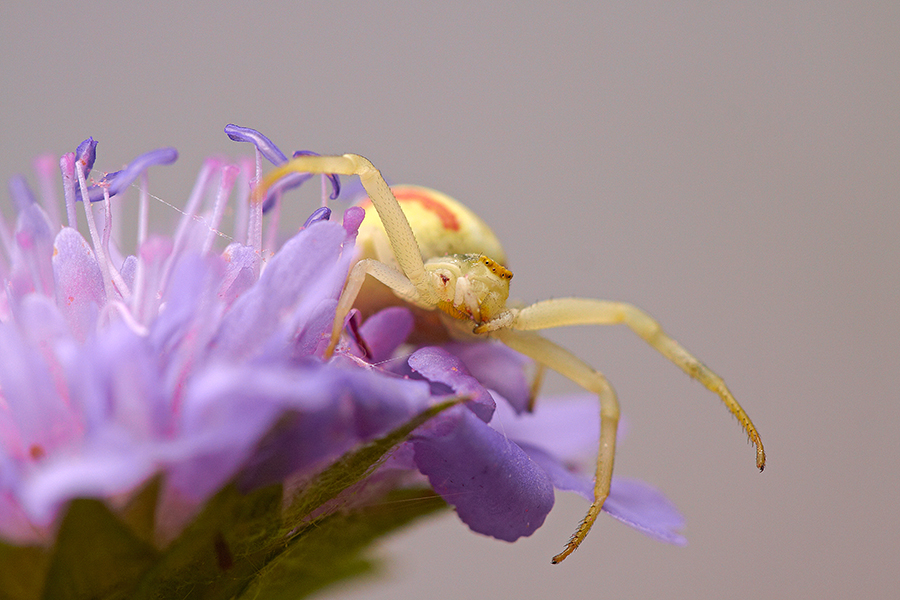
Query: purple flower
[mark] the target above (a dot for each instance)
(204, 364)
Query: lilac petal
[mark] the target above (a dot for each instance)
(21, 193)
(114, 380)
(567, 427)
(79, 281)
(15, 525)
(241, 271)
(561, 436)
(384, 331)
(266, 147)
(118, 181)
(86, 153)
(47, 327)
(189, 299)
(498, 368)
(496, 489)
(227, 410)
(644, 508)
(183, 331)
(34, 237)
(323, 213)
(128, 270)
(46, 167)
(562, 477)
(41, 418)
(313, 338)
(632, 502)
(439, 366)
(154, 254)
(102, 472)
(307, 269)
(383, 402)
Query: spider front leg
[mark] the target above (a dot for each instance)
(412, 284)
(399, 232)
(567, 364)
(583, 311)
(387, 275)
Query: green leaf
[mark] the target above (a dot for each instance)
(140, 512)
(95, 556)
(330, 551)
(355, 465)
(221, 550)
(23, 570)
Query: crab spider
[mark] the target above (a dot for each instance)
(452, 268)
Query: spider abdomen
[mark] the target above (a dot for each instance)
(442, 226)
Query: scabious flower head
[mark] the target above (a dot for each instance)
(200, 367)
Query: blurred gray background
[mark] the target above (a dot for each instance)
(730, 167)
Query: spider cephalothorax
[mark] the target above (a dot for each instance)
(470, 286)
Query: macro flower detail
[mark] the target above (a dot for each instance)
(191, 378)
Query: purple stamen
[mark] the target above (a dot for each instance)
(242, 206)
(274, 155)
(334, 179)
(67, 168)
(86, 153)
(320, 214)
(229, 176)
(266, 147)
(118, 181)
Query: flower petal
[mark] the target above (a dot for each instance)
(559, 436)
(34, 242)
(241, 272)
(36, 418)
(105, 470)
(309, 268)
(384, 331)
(496, 488)
(567, 427)
(499, 368)
(79, 281)
(439, 366)
(644, 508)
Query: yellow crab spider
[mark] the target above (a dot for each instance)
(433, 253)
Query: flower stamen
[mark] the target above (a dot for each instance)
(229, 175)
(95, 237)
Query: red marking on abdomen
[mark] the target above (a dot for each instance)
(447, 217)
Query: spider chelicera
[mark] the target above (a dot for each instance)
(435, 254)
